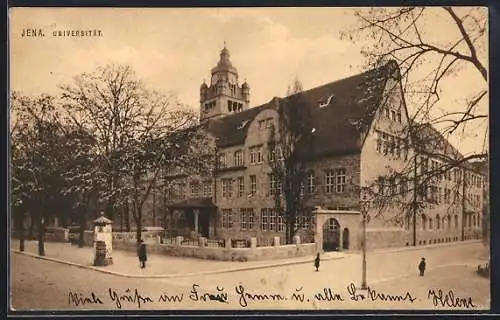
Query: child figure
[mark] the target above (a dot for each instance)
(316, 262)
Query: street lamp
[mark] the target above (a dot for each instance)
(364, 206)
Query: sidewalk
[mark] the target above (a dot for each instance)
(126, 263)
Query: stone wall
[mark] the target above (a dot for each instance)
(224, 254)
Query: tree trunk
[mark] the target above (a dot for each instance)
(83, 222)
(138, 222)
(20, 229)
(127, 217)
(41, 235)
(32, 227)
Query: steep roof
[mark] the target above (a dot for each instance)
(349, 106)
(428, 139)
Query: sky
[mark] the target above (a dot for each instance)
(173, 50)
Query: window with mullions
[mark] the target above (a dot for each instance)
(227, 218)
(335, 180)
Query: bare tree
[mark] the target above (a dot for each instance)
(289, 142)
(426, 61)
(138, 132)
(296, 87)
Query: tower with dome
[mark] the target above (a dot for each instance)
(223, 95)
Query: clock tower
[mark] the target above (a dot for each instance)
(224, 96)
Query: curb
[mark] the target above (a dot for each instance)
(423, 247)
(455, 264)
(169, 276)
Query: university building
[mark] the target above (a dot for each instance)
(357, 143)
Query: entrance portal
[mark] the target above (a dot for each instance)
(345, 239)
(331, 235)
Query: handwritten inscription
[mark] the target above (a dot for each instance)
(219, 296)
(132, 297)
(449, 300)
(247, 297)
(76, 299)
(244, 296)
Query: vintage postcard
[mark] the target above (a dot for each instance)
(249, 159)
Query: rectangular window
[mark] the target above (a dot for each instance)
(238, 158)
(253, 155)
(272, 220)
(227, 218)
(393, 115)
(222, 160)
(403, 186)
(399, 116)
(397, 147)
(262, 124)
(329, 181)
(335, 181)
(340, 180)
(310, 182)
(274, 185)
(395, 186)
(264, 219)
(280, 223)
(241, 186)
(269, 122)
(272, 152)
(387, 113)
(447, 195)
(207, 188)
(256, 155)
(379, 141)
(385, 141)
(182, 190)
(246, 218)
(260, 155)
(227, 188)
(392, 144)
(195, 189)
(303, 222)
(434, 194)
(302, 190)
(253, 185)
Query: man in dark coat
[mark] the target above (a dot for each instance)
(142, 254)
(421, 267)
(316, 262)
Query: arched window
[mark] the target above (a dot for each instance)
(430, 223)
(474, 220)
(438, 222)
(449, 221)
(424, 221)
(456, 221)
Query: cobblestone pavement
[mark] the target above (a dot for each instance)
(39, 284)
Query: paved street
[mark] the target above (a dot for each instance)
(39, 284)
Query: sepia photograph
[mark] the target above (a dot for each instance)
(243, 159)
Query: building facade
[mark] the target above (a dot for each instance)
(358, 143)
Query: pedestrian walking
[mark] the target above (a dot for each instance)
(421, 267)
(316, 262)
(143, 257)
